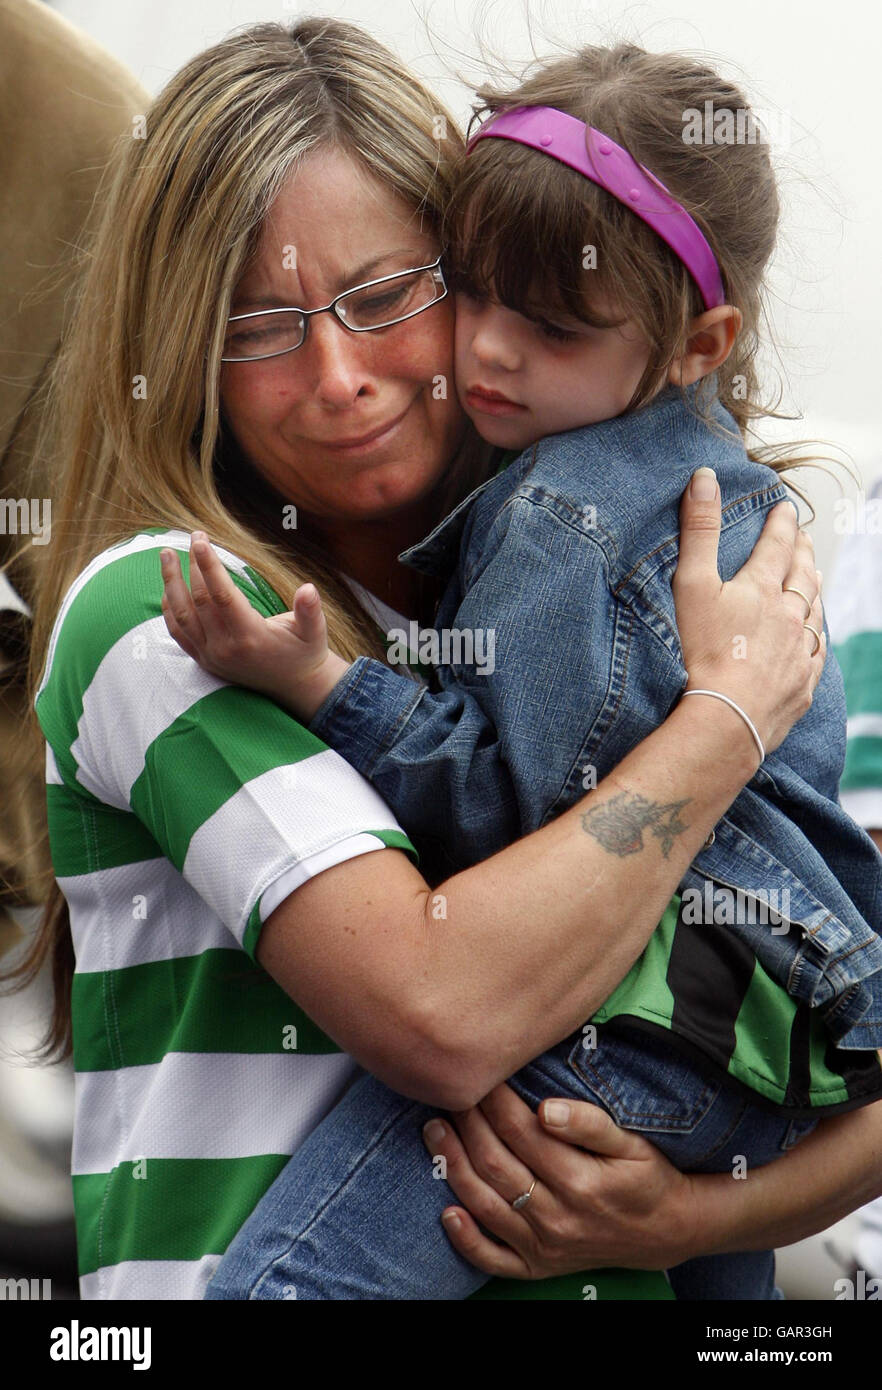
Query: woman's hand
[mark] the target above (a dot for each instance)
(285, 656)
(747, 638)
(622, 1203)
(619, 1203)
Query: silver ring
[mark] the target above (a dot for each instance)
(817, 636)
(524, 1198)
(789, 589)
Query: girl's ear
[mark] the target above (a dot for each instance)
(711, 338)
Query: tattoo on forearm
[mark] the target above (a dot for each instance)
(618, 824)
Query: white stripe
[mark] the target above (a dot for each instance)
(137, 913)
(290, 811)
(315, 864)
(143, 684)
(864, 804)
(204, 1105)
(868, 1242)
(154, 1279)
(173, 539)
(865, 725)
(853, 601)
(53, 776)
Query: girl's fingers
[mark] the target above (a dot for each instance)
(215, 595)
(310, 616)
(178, 609)
(176, 632)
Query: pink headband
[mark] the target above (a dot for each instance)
(601, 160)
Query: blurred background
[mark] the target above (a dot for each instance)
(811, 72)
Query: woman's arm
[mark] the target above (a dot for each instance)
(623, 1203)
(442, 993)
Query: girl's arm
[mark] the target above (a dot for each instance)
(442, 993)
(473, 767)
(605, 1196)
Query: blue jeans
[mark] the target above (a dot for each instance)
(355, 1214)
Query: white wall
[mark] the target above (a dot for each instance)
(815, 62)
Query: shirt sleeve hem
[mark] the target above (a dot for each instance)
(295, 875)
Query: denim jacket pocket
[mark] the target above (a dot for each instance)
(642, 1082)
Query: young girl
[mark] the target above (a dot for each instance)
(609, 275)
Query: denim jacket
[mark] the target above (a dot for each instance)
(567, 557)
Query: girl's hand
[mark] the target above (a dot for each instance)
(620, 1203)
(747, 638)
(285, 656)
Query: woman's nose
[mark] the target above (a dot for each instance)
(336, 359)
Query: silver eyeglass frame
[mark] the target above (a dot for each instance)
(332, 308)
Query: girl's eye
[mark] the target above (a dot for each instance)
(550, 330)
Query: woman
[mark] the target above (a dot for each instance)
(238, 896)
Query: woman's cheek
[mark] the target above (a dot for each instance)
(431, 353)
(253, 397)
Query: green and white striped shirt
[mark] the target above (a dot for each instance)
(854, 613)
(182, 810)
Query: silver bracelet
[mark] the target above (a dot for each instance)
(738, 710)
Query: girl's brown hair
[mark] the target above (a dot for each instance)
(183, 213)
(519, 224)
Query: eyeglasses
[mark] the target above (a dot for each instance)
(271, 332)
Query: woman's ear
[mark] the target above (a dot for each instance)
(711, 337)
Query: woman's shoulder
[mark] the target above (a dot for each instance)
(115, 602)
(129, 570)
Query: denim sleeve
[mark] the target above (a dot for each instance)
(477, 764)
(436, 756)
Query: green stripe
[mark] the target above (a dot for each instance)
(119, 597)
(762, 1036)
(863, 763)
(183, 1209)
(395, 839)
(644, 991)
(180, 1209)
(828, 1087)
(230, 736)
(214, 1002)
(761, 1058)
(86, 835)
(860, 658)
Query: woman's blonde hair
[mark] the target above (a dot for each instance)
(133, 415)
(644, 101)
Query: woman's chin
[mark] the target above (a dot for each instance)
(374, 494)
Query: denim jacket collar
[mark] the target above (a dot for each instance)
(437, 553)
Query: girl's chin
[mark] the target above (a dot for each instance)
(503, 434)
